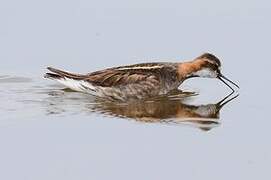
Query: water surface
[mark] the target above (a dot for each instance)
(50, 133)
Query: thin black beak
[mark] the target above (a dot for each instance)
(223, 78)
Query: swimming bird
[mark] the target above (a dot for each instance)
(140, 81)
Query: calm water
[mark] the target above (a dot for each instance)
(47, 132)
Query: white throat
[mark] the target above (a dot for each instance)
(205, 73)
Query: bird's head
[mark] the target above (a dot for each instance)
(207, 66)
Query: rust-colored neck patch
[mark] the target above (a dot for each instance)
(187, 68)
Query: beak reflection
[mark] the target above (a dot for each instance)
(223, 78)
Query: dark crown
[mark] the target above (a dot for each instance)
(211, 58)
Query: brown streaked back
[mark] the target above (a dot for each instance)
(133, 74)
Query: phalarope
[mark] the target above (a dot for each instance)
(140, 81)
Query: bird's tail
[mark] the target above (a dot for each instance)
(57, 74)
(73, 81)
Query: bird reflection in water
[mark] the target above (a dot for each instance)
(171, 109)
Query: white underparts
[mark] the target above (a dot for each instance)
(78, 85)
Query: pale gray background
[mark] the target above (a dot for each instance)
(85, 36)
